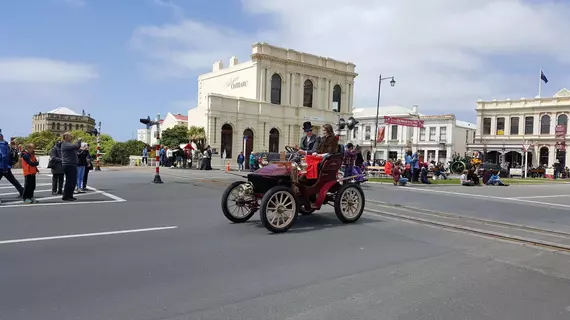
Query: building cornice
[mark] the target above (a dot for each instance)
(256, 57)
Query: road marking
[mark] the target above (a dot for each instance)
(37, 185)
(469, 195)
(86, 235)
(112, 196)
(50, 204)
(533, 197)
(14, 193)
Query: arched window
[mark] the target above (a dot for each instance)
(543, 156)
(308, 94)
(545, 124)
(65, 126)
(563, 121)
(336, 98)
(82, 127)
(58, 127)
(276, 89)
(273, 140)
(227, 140)
(53, 125)
(76, 126)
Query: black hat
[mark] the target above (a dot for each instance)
(307, 126)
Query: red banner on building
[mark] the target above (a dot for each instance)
(404, 122)
(560, 131)
(380, 134)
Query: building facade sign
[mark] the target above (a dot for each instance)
(235, 83)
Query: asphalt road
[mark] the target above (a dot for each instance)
(134, 250)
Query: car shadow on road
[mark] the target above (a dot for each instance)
(318, 221)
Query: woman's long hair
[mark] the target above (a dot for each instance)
(328, 130)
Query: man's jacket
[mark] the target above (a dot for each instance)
(310, 145)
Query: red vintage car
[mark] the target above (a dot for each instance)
(279, 195)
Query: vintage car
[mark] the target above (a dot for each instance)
(279, 195)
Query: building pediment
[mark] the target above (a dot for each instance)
(562, 93)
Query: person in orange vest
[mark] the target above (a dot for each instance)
(30, 167)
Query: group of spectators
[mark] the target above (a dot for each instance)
(69, 161)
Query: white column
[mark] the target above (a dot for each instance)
(425, 154)
(507, 125)
(551, 155)
(436, 155)
(552, 124)
(262, 85)
(301, 89)
(494, 125)
(350, 97)
(329, 96)
(268, 85)
(448, 155)
(521, 124)
(536, 129)
(290, 96)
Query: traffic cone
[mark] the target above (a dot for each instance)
(228, 166)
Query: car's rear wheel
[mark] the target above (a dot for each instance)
(237, 206)
(349, 203)
(279, 209)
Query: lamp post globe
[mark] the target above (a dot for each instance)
(392, 82)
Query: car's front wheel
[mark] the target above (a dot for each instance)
(279, 209)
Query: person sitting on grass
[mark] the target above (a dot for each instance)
(472, 175)
(424, 174)
(495, 180)
(464, 180)
(397, 174)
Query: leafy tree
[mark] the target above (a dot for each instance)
(43, 140)
(175, 136)
(106, 140)
(198, 136)
(121, 151)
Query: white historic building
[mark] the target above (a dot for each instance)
(503, 127)
(265, 101)
(171, 120)
(438, 140)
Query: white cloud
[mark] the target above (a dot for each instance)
(39, 70)
(443, 53)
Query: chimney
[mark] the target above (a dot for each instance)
(233, 61)
(218, 65)
(415, 108)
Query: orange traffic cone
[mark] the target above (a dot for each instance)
(228, 166)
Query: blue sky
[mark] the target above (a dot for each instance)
(123, 60)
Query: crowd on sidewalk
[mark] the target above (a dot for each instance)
(69, 162)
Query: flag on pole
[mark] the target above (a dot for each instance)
(543, 77)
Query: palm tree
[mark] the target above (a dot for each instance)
(198, 136)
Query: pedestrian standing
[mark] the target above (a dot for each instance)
(9, 157)
(69, 161)
(252, 161)
(30, 167)
(88, 169)
(145, 156)
(240, 161)
(82, 156)
(56, 169)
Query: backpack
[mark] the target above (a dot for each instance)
(14, 156)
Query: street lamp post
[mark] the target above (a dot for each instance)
(392, 83)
